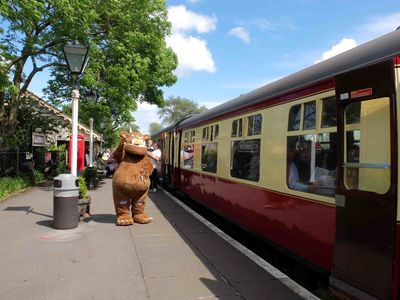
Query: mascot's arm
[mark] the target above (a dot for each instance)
(119, 152)
(148, 166)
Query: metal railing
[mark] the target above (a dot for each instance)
(12, 163)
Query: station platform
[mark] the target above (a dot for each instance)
(176, 256)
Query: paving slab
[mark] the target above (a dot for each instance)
(176, 256)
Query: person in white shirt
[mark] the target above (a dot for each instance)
(155, 157)
(298, 159)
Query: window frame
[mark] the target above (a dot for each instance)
(318, 130)
(212, 138)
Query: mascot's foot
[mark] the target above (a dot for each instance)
(124, 220)
(142, 218)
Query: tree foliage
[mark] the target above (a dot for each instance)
(129, 59)
(177, 108)
(154, 127)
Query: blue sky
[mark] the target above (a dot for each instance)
(229, 47)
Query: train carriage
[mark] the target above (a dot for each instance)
(308, 162)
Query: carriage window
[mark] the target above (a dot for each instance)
(353, 113)
(294, 118)
(254, 125)
(209, 153)
(205, 134)
(216, 132)
(192, 136)
(237, 126)
(245, 159)
(328, 112)
(367, 164)
(311, 161)
(234, 128)
(186, 137)
(309, 115)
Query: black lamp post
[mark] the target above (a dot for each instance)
(77, 57)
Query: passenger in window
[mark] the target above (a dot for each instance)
(188, 158)
(299, 157)
(254, 168)
(353, 155)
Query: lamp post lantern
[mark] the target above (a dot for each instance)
(77, 57)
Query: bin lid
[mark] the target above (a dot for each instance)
(65, 182)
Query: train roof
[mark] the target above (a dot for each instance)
(377, 50)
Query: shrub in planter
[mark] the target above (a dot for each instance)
(84, 198)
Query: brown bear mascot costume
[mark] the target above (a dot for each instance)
(131, 179)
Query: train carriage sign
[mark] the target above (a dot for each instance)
(247, 146)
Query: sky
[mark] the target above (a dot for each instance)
(226, 48)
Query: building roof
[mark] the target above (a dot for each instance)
(64, 135)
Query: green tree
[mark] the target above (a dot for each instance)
(176, 108)
(154, 127)
(129, 59)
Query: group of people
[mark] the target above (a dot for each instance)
(154, 153)
(105, 161)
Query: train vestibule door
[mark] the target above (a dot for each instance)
(176, 159)
(367, 184)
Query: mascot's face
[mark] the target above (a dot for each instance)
(135, 142)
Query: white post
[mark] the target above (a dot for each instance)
(74, 156)
(91, 143)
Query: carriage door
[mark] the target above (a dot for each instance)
(176, 158)
(167, 158)
(366, 193)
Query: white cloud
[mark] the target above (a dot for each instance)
(382, 24)
(263, 24)
(278, 23)
(344, 45)
(371, 29)
(146, 114)
(184, 20)
(241, 33)
(193, 54)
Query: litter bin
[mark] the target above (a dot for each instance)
(65, 201)
(90, 177)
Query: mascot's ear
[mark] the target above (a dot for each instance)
(146, 137)
(123, 135)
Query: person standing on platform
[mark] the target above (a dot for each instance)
(155, 157)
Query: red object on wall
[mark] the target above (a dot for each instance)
(81, 152)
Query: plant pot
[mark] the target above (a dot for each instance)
(84, 205)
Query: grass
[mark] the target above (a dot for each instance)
(11, 185)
